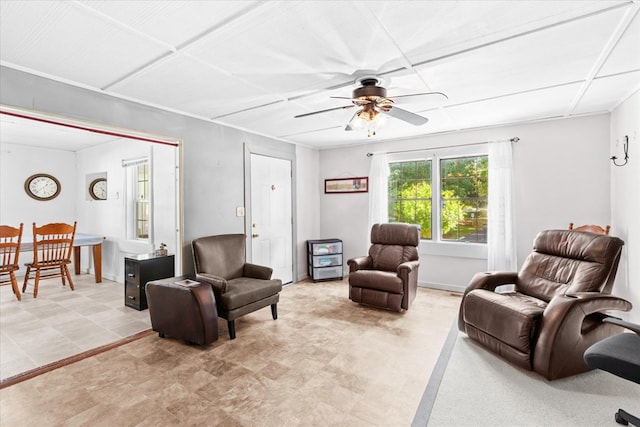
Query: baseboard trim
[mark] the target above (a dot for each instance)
(442, 286)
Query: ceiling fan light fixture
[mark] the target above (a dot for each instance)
(368, 119)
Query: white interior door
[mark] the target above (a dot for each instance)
(271, 220)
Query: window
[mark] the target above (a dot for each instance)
(444, 194)
(141, 197)
(410, 194)
(138, 198)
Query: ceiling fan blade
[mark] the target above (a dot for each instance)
(406, 116)
(324, 111)
(434, 97)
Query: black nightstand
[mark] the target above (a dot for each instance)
(140, 269)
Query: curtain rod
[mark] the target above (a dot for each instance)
(514, 139)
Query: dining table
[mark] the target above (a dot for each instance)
(79, 240)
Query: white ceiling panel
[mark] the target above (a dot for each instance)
(171, 22)
(299, 38)
(542, 104)
(182, 83)
(503, 68)
(626, 54)
(438, 28)
(603, 92)
(255, 64)
(65, 40)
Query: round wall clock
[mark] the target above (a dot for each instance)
(42, 186)
(98, 189)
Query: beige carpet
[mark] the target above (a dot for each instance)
(479, 389)
(325, 361)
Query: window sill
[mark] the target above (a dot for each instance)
(453, 249)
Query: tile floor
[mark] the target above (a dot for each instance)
(61, 323)
(325, 361)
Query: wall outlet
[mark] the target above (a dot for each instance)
(240, 211)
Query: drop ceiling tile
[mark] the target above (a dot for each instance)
(604, 94)
(278, 120)
(172, 22)
(426, 30)
(541, 104)
(626, 54)
(308, 42)
(182, 83)
(523, 64)
(64, 40)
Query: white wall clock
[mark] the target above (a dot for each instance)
(42, 186)
(98, 189)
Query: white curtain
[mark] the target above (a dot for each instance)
(378, 197)
(501, 241)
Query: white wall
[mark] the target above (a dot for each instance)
(108, 217)
(213, 183)
(105, 218)
(625, 201)
(17, 163)
(561, 172)
(308, 206)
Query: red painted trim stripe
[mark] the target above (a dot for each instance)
(103, 132)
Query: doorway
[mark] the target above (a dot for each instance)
(271, 219)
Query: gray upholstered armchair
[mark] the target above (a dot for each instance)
(239, 287)
(555, 312)
(388, 276)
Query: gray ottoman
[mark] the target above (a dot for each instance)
(184, 312)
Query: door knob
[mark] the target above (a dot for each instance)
(255, 235)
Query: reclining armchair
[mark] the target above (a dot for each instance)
(239, 287)
(388, 276)
(555, 312)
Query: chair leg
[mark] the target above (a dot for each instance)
(14, 285)
(232, 329)
(35, 284)
(66, 270)
(274, 311)
(62, 275)
(26, 278)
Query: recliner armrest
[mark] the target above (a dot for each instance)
(490, 280)
(409, 266)
(219, 284)
(561, 328)
(257, 271)
(360, 263)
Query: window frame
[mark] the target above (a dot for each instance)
(132, 191)
(437, 246)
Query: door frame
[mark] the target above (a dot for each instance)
(250, 149)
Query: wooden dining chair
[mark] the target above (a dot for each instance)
(591, 228)
(10, 239)
(52, 248)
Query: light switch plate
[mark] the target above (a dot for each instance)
(240, 211)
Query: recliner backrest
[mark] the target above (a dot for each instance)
(567, 261)
(392, 244)
(222, 255)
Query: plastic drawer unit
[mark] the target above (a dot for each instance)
(324, 259)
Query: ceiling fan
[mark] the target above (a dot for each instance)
(372, 99)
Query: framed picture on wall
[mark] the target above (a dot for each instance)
(358, 184)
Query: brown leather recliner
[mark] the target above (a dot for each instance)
(388, 276)
(555, 312)
(239, 287)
